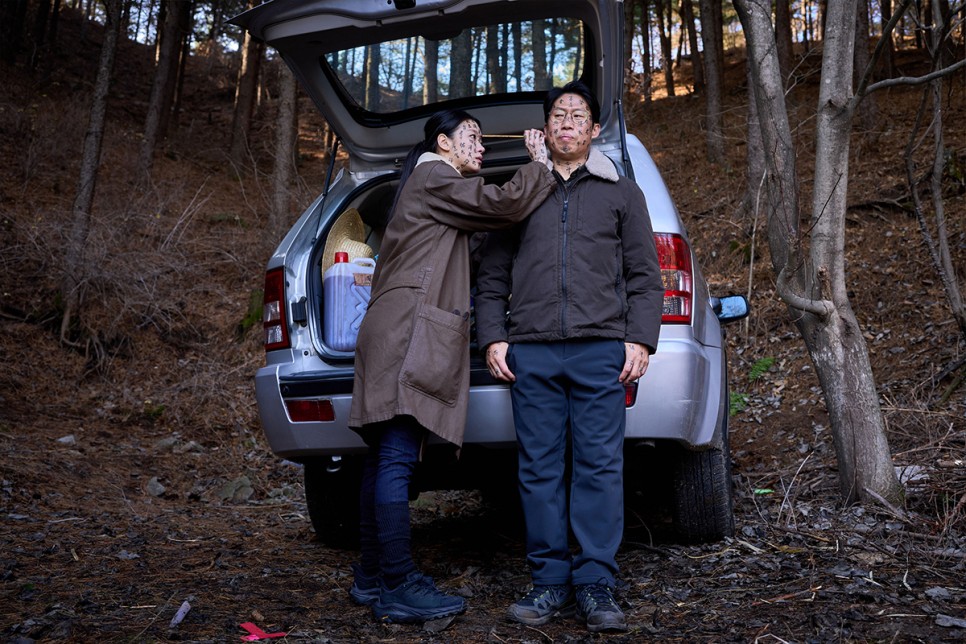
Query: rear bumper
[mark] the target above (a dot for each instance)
(680, 399)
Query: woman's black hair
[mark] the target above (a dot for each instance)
(444, 122)
(573, 87)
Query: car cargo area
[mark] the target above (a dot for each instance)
(372, 203)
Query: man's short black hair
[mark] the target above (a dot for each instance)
(573, 87)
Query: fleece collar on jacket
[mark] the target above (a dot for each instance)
(601, 166)
(426, 157)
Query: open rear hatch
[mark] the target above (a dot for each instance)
(377, 69)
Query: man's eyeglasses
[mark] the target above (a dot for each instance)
(577, 117)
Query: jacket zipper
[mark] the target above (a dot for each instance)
(563, 262)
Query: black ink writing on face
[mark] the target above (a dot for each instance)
(570, 125)
(467, 140)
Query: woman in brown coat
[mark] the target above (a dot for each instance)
(412, 356)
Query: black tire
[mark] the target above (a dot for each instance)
(332, 496)
(703, 494)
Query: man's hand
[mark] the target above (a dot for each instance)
(636, 357)
(496, 362)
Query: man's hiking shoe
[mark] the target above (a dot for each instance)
(596, 607)
(365, 589)
(414, 601)
(542, 604)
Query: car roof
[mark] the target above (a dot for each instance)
(329, 45)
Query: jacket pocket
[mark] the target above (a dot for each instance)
(434, 361)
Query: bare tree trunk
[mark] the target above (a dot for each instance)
(373, 87)
(687, 19)
(41, 15)
(646, 47)
(55, 23)
(541, 79)
(74, 269)
(755, 172)
(814, 287)
(160, 98)
(938, 245)
(867, 112)
(713, 66)
(888, 53)
(245, 90)
(517, 30)
(630, 27)
(286, 130)
(13, 16)
(430, 62)
(783, 38)
(175, 86)
(461, 72)
(494, 61)
(664, 31)
(838, 346)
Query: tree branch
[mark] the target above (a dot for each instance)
(863, 90)
(820, 308)
(916, 80)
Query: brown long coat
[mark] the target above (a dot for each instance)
(412, 355)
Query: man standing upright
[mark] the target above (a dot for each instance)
(584, 318)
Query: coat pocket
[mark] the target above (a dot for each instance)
(437, 351)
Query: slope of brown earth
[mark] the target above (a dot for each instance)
(135, 477)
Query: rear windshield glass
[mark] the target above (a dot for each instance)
(499, 59)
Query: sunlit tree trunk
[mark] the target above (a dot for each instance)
(74, 269)
(811, 272)
(373, 63)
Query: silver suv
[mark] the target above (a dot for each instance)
(377, 69)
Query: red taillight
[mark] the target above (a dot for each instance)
(305, 411)
(273, 311)
(630, 394)
(675, 258)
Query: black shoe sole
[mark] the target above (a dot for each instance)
(566, 611)
(397, 616)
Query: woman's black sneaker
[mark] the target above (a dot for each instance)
(414, 601)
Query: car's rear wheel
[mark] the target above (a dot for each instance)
(703, 494)
(332, 496)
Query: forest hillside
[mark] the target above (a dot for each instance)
(150, 410)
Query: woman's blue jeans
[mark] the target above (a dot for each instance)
(394, 448)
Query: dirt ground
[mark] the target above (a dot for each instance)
(136, 481)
